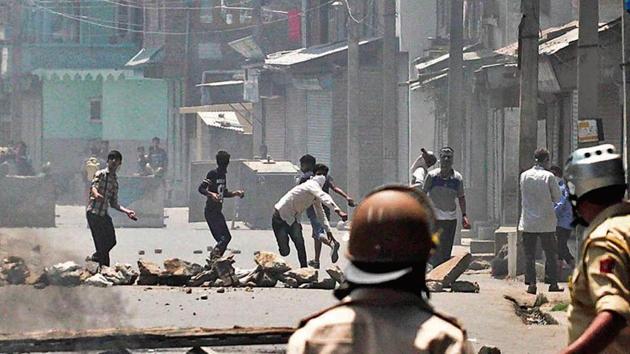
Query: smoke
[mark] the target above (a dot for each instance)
(24, 308)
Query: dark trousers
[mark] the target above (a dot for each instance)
(103, 235)
(447, 229)
(218, 229)
(283, 231)
(548, 243)
(563, 235)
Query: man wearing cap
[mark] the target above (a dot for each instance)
(599, 314)
(420, 168)
(383, 307)
(444, 186)
(539, 194)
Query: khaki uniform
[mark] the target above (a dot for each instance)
(380, 321)
(601, 281)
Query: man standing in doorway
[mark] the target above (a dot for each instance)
(103, 194)
(214, 187)
(444, 186)
(158, 157)
(539, 193)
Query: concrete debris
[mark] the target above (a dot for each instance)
(157, 251)
(207, 276)
(479, 265)
(91, 267)
(220, 290)
(178, 272)
(14, 270)
(435, 286)
(461, 286)
(489, 350)
(149, 273)
(188, 291)
(225, 271)
(450, 270)
(264, 280)
(37, 279)
(336, 273)
(64, 274)
(500, 263)
(326, 284)
(98, 280)
(204, 297)
(302, 275)
(120, 274)
(271, 263)
(141, 252)
(197, 252)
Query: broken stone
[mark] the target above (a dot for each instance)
(206, 276)
(271, 262)
(336, 273)
(326, 284)
(435, 286)
(37, 277)
(302, 275)
(204, 297)
(479, 265)
(188, 291)
(225, 271)
(98, 280)
(149, 273)
(177, 272)
(249, 289)
(489, 350)
(91, 267)
(158, 251)
(141, 252)
(197, 252)
(129, 274)
(64, 274)
(14, 270)
(220, 290)
(289, 282)
(462, 286)
(264, 280)
(450, 270)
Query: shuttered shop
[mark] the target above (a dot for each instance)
(319, 125)
(275, 132)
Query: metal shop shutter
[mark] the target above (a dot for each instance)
(275, 127)
(319, 125)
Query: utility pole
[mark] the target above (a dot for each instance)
(353, 100)
(528, 63)
(259, 109)
(390, 93)
(456, 80)
(625, 25)
(588, 61)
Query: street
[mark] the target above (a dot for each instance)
(487, 316)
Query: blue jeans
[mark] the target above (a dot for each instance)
(318, 228)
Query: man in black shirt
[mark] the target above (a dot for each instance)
(214, 187)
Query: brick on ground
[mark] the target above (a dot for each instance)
(449, 271)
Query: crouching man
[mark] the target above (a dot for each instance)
(288, 211)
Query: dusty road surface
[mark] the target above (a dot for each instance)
(488, 317)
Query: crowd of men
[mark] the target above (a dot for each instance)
(384, 303)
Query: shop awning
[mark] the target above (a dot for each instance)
(222, 120)
(242, 111)
(146, 56)
(303, 55)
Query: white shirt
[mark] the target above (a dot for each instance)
(539, 193)
(418, 176)
(299, 198)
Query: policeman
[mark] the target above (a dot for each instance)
(600, 284)
(383, 307)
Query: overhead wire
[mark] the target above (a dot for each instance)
(96, 22)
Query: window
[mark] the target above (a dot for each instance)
(95, 110)
(65, 29)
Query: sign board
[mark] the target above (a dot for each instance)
(590, 130)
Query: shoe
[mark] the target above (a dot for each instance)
(334, 256)
(532, 289)
(313, 264)
(554, 288)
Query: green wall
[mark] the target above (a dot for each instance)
(66, 109)
(135, 109)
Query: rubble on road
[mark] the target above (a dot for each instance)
(98, 280)
(120, 274)
(335, 272)
(14, 271)
(460, 286)
(64, 274)
(479, 265)
(149, 273)
(178, 272)
(449, 271)
(271, 263)
(435, 286)
(300, 276)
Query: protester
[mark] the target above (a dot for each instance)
(158, 157)
(319, 233)
(104, 194)
(288, 211)
(539, 193)
(444, 186)
(143, 162)
(599, 313)
(214, 187)
(420, 168)
(383, 306)
(564, 215)
(22, 163)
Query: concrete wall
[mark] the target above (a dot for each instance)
(26, 202)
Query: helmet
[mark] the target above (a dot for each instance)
(392, 226)
(592, 168)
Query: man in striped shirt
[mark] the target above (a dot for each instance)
(103, 194)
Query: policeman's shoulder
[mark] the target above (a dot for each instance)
(449, 324)
(615, 225)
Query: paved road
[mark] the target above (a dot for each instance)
(488, 317)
